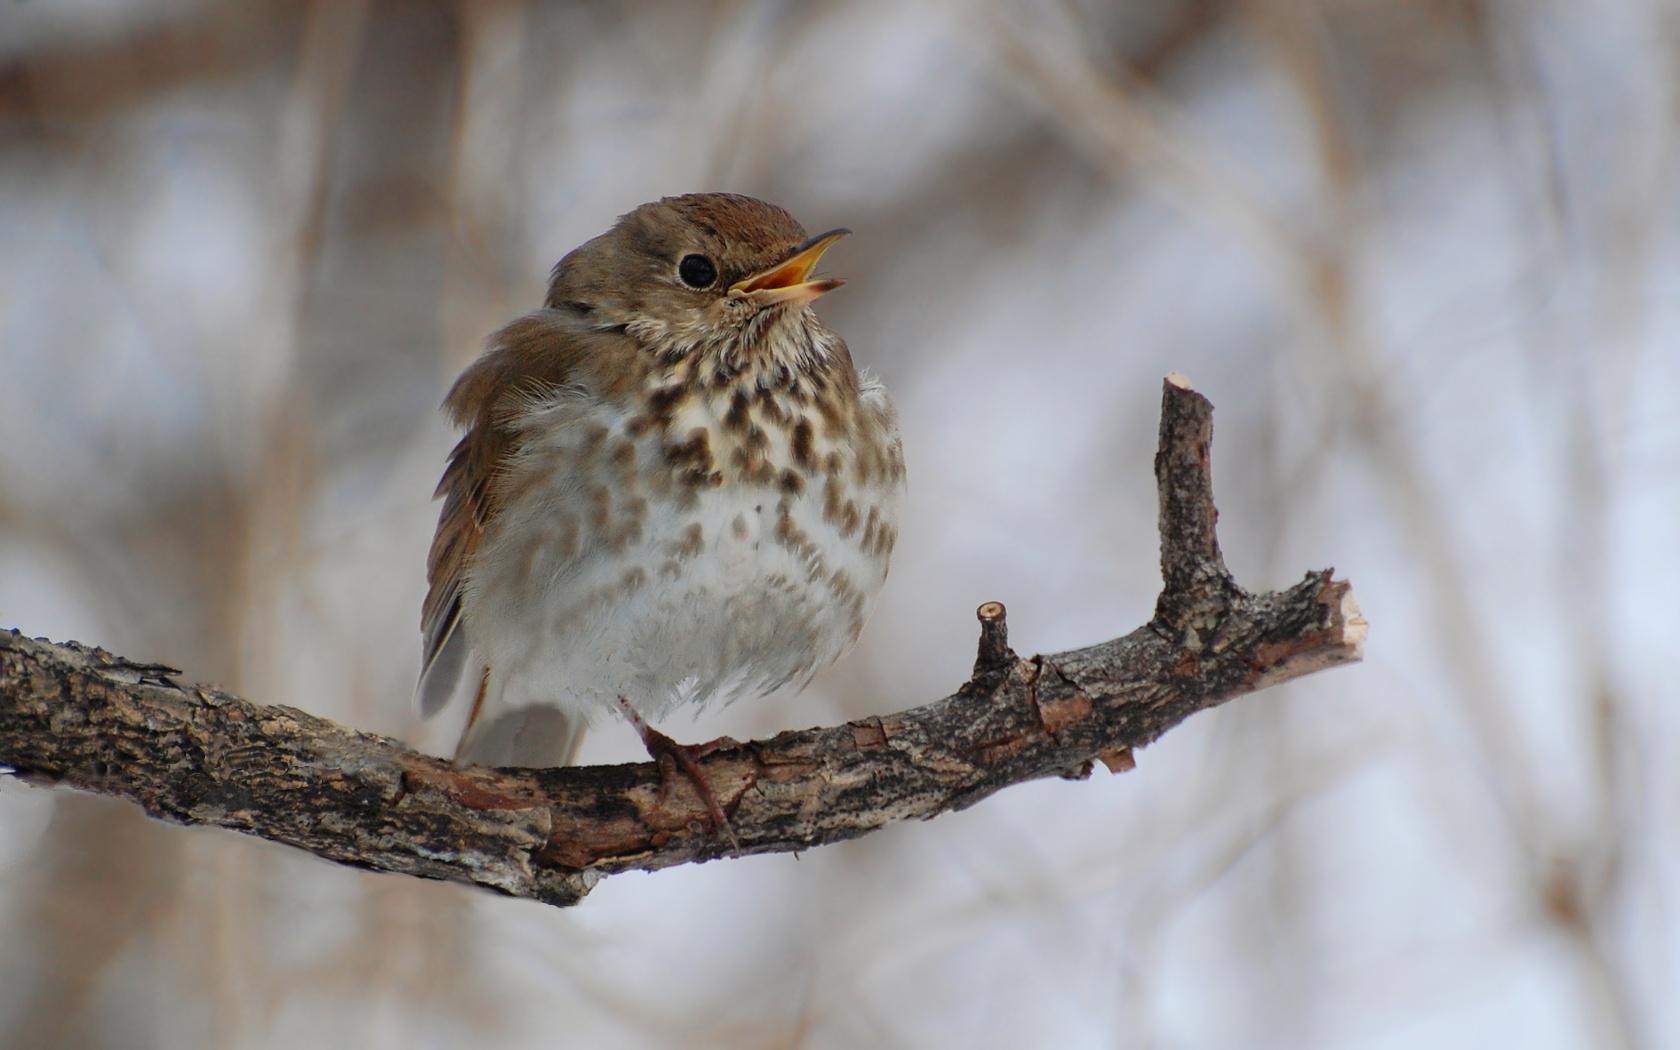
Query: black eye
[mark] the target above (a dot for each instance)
(697, 271)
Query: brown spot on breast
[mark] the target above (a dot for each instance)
(662, 403)
(866, 464)
(757, 469)
(770, 407)
(840, 582)
(692, 459)
(885, 540)
(695, 450)
(689, 544)
(792, 483)
(750, 462)
(791, 537)
(849, 518)
(737, 417)
(788, 533)
(739, 526)
(802, 437)
(632, 580)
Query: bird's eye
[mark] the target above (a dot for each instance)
(697, 271)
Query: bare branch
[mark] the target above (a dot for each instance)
(87, 719)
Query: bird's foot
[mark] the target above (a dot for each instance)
(672, 756)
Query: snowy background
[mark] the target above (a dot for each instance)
(1424, 257)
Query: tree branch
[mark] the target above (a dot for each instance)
(85, 718)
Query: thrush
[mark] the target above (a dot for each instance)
(673, 488)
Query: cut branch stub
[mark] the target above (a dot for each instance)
(1193, 575)
(994, 654)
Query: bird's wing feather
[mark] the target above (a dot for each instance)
(542, 351)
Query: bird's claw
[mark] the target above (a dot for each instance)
(672, 756)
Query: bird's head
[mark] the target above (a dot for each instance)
(698, 270)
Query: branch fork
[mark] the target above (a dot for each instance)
(88, 719)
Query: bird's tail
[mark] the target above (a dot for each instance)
(532, 735)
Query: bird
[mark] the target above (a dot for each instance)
(673, 488)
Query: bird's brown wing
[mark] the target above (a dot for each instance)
(536, 354)
(466, 511)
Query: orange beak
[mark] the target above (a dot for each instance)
(789, 281)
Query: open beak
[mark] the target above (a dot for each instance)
(789, 281)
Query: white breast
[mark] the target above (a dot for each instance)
(599, 580)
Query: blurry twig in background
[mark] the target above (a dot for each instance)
(1465, 210)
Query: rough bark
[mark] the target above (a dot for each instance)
(91, 720)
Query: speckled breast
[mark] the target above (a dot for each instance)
(713, 543)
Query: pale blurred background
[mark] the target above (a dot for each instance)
(1423, 256)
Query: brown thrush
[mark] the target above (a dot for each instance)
(673, 488)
